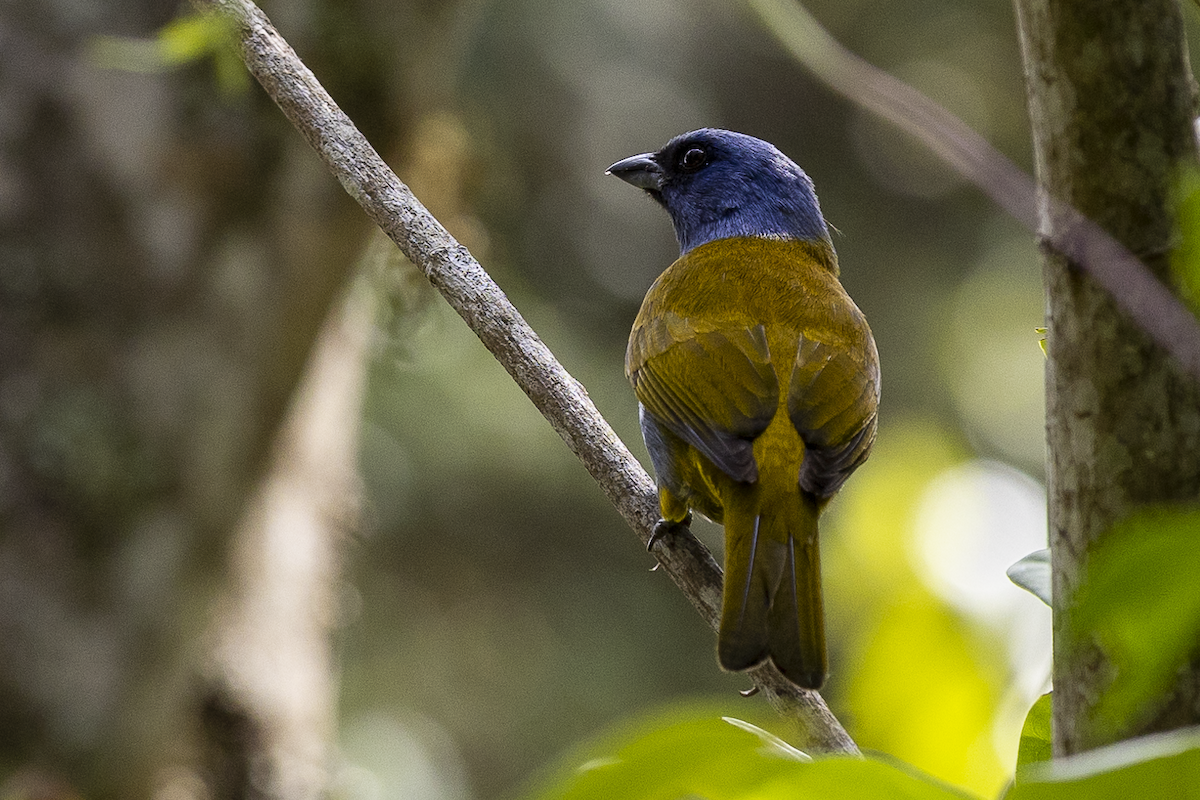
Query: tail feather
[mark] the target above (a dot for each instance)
(752, 567)
(772, 602)
(797, 617)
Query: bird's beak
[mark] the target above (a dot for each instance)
(642, 171)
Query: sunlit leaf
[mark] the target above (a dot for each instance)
(1140, 604)
(921, 690)
(1162, 766)
(193, 36)
(917, 682)
(1036, 739)
(186, 39)
(723, 759)
(1032, 573)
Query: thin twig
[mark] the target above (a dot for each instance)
(1132, 285)
(488, 312)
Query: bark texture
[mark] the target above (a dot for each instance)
(1111, 102)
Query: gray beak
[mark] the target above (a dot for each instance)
(642, 171)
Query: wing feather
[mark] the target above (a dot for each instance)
(833, 400)
(716, 390)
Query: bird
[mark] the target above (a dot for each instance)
(757, 380)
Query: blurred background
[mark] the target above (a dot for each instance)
(245, 449)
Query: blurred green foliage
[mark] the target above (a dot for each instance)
(692, 752)
(1165, 766)
(905, 649)
(1138, 599)
(684, 752)
(186, 39)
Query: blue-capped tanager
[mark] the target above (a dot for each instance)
(757, 380)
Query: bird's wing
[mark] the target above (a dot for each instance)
(715, 389)
(833, 398)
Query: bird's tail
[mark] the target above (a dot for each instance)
(772, 605)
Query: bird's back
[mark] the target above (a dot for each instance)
(788, 286)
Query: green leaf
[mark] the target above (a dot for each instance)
(702, 755)
(193, 36)
(1035, 744)
(1032, 573)
(189, 38)
(1163, 766)
(1139, 602)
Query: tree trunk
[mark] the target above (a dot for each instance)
(268, 702)
(1111, 102)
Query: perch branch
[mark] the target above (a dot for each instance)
(488, 312)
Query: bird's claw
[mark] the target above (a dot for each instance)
(665, 527)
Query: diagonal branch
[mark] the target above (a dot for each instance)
(1132, 285)
(488, 312)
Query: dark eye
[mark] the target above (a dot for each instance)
(693, 159)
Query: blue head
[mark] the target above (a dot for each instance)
(716, 184)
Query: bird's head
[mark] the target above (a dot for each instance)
(716, 184)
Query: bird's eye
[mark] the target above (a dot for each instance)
(693, 159)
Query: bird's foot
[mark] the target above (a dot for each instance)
(665, 527)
